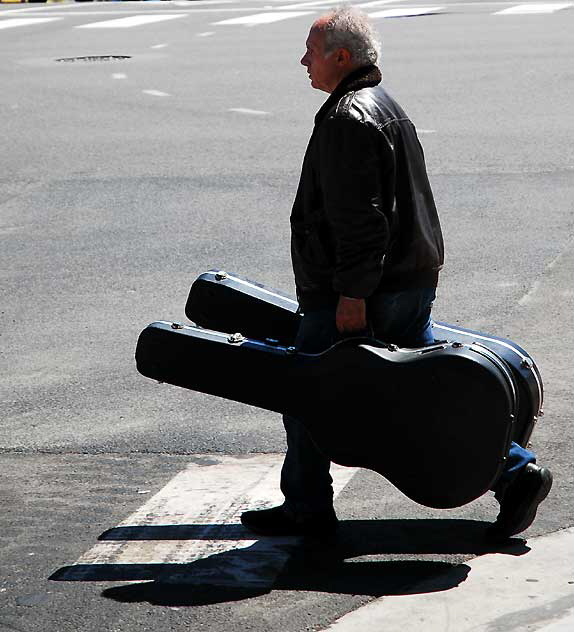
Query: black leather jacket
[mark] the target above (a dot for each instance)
(364, 219)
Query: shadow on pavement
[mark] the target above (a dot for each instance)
(374, 536)
(440, 536)
(361, 578)
(243, 573)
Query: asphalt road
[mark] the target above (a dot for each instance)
(122, 180)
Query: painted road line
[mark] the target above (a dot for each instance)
(310, 4)
(405, 12)
(11, 23)
(158, 46)
(33, 11)
(231, 9)
(527, 298)
(58, 8)
(131, 21)
(534, 591)
(202, 3)
(190, 532)
(248, 111)
(524, 9)
(377, 3)
(263, 18)
(119, 75)
(426, 131)
(156, 93)
(49, 8)
(206, 33)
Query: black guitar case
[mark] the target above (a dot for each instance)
(437, 422)
(230, 303)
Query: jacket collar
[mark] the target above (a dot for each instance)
(364, 77)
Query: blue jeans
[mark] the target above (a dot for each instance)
(402, 318)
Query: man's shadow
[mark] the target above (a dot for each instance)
(297, 564)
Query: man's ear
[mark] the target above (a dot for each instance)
(343, 56)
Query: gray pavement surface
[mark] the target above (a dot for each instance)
(121, 181)
(520, 592)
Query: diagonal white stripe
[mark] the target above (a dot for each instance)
(376, 3)
(206, 499)
(32, 10)
(248, 111)
(534, 8)
(311, 4)
(129, 22)
(156, 93)
(263, 18)
(14, 22)
(405, 13)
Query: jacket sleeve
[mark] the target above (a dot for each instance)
(352, 165)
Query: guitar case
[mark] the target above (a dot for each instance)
(231, 303)
(436, 421)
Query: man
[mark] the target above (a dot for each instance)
(366, 252)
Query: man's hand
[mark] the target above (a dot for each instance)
(351, 315)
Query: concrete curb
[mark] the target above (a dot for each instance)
(502, 593)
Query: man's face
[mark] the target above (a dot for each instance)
(324, 72)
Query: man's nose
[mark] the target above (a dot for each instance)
(304, 59)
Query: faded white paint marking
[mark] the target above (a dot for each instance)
(407, 12)
(11, 23)
(310, 4)
(522, 9)
(248, 111)
(196, 516)
(48, 8)
(129, 22)
(531, 292)
(119, 75)
(206, 34)
(66, 13)
(263, 18)
(527, 298)
(156, 93)
(376, 3)
(203, 3)
(157, 46)
(426, 131)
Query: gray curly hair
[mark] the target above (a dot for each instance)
(347, 27)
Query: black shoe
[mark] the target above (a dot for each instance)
(520, 501)
(280, 521)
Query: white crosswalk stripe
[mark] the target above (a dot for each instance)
(312, 4)
(250, 17)
(371, 4)
(15, 22)
(249, 111)
(405, 12)
(131, 21)
(156, 93)
(196, 516)
(262, 18)
(533, 8)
